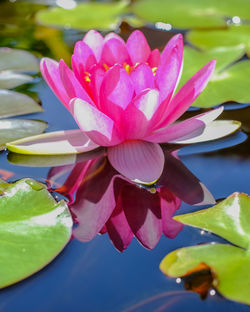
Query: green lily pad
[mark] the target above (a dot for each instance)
(85, 16)
(14, 103)
(14, 129)
(18, 60)
(34, 228)
(229, 264)
(193, 13)
(9, 79)
(228, 83)
(235, 36)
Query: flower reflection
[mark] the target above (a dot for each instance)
(103, 201)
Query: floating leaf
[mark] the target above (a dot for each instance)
(213, 131)
(13, 129)
(85, 16)
(34, 228)
(18, 60)
(235, 36)
(14, 103)
(228, 264)
(9, 79)
(54, 143)
(230, 82)
(193, 13)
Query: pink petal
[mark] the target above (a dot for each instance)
(71, 84)
(138, 117)
(142, 78)
(179, 180)
(98, 127)
(118, 228)
(188, 93)
(95, 41)
(82, 60)
(137, 160)
(97, 73)
(114, 51)
(116, 92)
(154, 59)
(113, 35)
(143, 212)
(138, 47)
(186, 129)
(95, 200)
(169, 204)
(167, 74)
(50, 72)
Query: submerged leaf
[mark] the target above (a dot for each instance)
(14, 103)
(34, 228)
(229, 264)
(14, 129)
(229, 81)
(18, 60)
(193, 13)
(85, 16)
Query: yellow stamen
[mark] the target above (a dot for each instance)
(106, 67)
(87, 76)
(154, 69)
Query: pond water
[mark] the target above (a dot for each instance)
(94, 276)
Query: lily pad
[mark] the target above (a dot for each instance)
(229, 264)
(235, 36)
(14, 129)
(18, 60)
(193, 13)
(14, 103)
(230, 81)
(34, 228)
(85, 16)
(9, 79)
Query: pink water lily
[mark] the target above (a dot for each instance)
(122, 96)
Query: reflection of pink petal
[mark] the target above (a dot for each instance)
(142, 78)
(95, 201)
(99, 127)
(50, 72)
(169, 204)
(138, 47)
(114, 51)
(188, 93)
(94, 40)
(118, 228)
(143, 212)
(179, 180)
(137, 160)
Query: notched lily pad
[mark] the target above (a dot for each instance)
(230, 81)
(229, 264)
(14, 129)
(14, 103)
(193, 13)
(85, 16)
(18, 60)
(34, 228)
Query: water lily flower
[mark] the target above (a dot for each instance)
(123, 97)
(103, 201)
